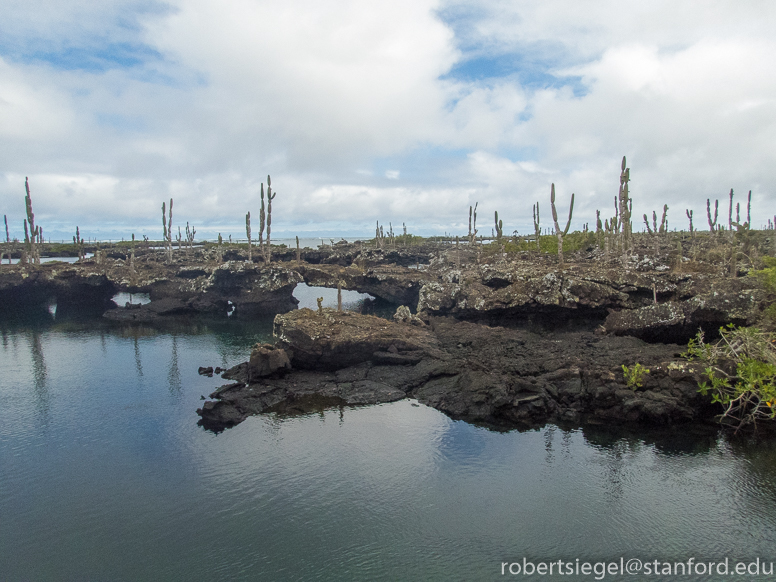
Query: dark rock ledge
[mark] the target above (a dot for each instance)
(492, 375)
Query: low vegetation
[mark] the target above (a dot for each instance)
(740, 372)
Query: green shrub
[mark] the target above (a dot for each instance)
(740, 371)
(634, 375)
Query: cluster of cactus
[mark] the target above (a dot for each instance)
(382, 236)
(78, 243)
(167, 230)
(190, 232)
(265, 221)
(7, 247)
(558, 232)
(746, 225)
(656, 230)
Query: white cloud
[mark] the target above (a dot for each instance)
(327, 96)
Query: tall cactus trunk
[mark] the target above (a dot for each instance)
(560, 233)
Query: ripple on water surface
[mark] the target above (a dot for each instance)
(104, 468)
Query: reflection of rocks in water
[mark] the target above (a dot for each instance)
(306, 405)
(39, 373)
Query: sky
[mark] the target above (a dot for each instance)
(402, 112)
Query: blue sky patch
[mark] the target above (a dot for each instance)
(529, 72)
(95, 59)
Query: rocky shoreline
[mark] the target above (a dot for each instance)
(505, 339)
(496, 376)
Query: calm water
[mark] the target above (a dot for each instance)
(105, 475)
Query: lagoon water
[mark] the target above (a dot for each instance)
(105, 475)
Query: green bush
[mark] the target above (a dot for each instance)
(634, 375)
(740, 371)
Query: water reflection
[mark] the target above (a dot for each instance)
(138, 362)
(399, 491)
(39, 373)
(174, 375)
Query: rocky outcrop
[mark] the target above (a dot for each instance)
(493, 375)
(69, 287)
(331, 339)
(678, 320)
(251, 288)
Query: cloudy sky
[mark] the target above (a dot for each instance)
(404, 111)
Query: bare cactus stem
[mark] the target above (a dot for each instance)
(599, 232)
(537, 229)
(625, 205)
(688, 212)
(298, 251)
(35, 233)
(749, 210)
(248, 232)
(473, 224)
(262, 222)
(270, 198)
(167, 229)
(7, 246)
(712, 223)
(558, 232)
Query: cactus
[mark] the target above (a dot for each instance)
(749, 210)
(688, 212)
(248, 232)
(558, 232)
(132, 256)
(35, 234)
(499, 228)
(712, 223)
(646, 222)
(167, 228)
(190, 232)
(599, 232)
(298, 251)
(625, 205)
(7, 249)
(730, 212)
(262, 222)
(664, 220)
(473, 224)
(78, 242)
(270, 198)
(537, 229)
